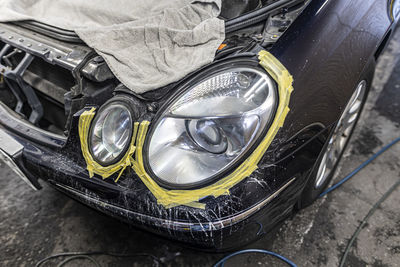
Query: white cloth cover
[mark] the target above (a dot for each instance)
(146, 43)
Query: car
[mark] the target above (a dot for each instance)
(217, 159)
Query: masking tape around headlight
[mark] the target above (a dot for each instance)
(172, 198)
(391, 10)
(92, 166)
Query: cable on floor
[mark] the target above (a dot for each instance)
(365, 220)
(79, 255)
(359, 168)
(222, 262)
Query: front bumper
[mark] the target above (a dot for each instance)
(10, 153)
(252, 209)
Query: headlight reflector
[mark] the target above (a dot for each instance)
(110, 133)
(211, 126)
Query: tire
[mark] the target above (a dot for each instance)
(315, 183)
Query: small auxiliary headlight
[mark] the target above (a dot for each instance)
(110, 133)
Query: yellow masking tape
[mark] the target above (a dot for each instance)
(172, 198)
(92, 166)
(391, 10)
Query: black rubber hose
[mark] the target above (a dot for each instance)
(254, 17)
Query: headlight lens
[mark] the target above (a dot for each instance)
(110, 133)
(207, 129)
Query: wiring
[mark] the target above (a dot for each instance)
(364, 221)
(222, 262)
(359, 168)
(79, 255)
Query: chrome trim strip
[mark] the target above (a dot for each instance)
(175, 225)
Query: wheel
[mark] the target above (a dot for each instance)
(333, 150)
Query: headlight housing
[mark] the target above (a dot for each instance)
(210, 125)
(111, 133)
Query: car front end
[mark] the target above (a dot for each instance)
(215, 160)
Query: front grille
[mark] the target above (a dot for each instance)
(41, 77)
(34, 88)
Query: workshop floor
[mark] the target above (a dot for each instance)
(34, 225)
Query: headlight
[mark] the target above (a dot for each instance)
(209, 128)
(110, 133)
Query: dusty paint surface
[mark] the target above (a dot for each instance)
(34, 225)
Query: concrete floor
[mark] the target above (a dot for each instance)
(34, 225)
